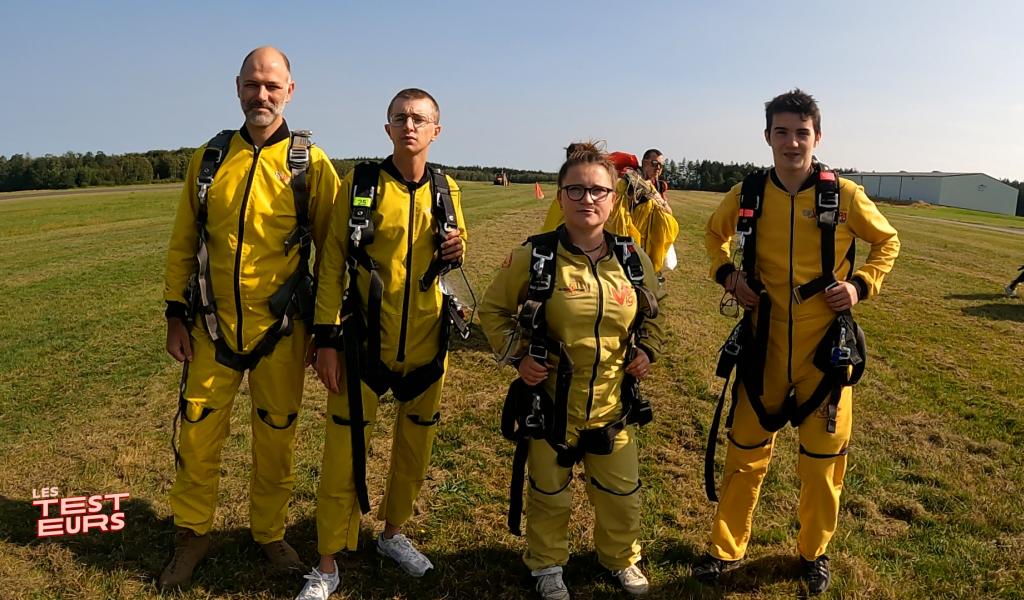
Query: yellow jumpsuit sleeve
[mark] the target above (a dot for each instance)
(331, 273)
(456, 193)
(719, 230)
(503, 297)
(554, 217)
(181, 251)
(870, 225)
(323, 184)
(654, 341)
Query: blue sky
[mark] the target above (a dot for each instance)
(902, 85)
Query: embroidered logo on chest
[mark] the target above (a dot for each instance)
(283, 177)
(574, 289)
(624, 295)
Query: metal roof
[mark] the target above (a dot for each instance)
(910, 174)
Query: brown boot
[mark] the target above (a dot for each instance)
(282, 556)
(189, 549)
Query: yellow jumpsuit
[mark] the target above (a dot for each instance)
(587, 297)
(653, 228)
(403, 246)
(251, 213)
(658, 228)
(789, 255)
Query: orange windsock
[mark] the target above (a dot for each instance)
(539, 193)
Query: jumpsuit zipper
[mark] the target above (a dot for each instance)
(408, 276)
(238, 248)
(597, 338)
(789, 315)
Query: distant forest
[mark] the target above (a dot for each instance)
(73, 170)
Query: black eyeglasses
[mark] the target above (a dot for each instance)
(576, 192)
(655, 164)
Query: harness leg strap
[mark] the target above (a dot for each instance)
(355, 412)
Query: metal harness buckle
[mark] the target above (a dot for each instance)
(541, 281)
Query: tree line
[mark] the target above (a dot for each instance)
(73, 169)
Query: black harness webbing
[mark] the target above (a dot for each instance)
(365, 360)
(840, 356)
(295, 297)
(528, 412)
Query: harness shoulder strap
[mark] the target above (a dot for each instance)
(213, 155)
(364, 199)
(298, 164)
(826, 210)
(751, 205)
(442, 208)
(544, 247)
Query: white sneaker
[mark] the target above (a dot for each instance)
(1010, 291)
(550, 585)
(320, 585)
(401, 550)
(632, 580)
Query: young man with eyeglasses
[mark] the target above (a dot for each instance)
(785, 376)
(384, 239)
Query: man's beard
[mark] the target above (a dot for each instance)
(253, 116)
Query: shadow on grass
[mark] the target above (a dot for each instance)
(997, 311)
(975, 296)
(235, 565)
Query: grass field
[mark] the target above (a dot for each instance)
(932, 506)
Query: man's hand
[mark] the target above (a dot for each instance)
(736, 284)
(842, 296)
(531, 371)
(451, 247)
(328, 369)
(179, 344)
(640, 365)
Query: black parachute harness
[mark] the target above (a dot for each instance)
(364, 358)
(293, 300)
(840, 355)
(529, 412)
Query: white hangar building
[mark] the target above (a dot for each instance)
(975, 191)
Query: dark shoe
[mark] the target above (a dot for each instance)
(709, 569)
(815, 574)
(189, 549)
(282, 556)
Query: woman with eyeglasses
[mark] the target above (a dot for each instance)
(589, 299)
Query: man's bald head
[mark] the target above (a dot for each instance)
(264, 86)
(265, 55)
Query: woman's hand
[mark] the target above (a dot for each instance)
(531, 371)
(640, 365)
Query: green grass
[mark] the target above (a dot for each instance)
(962, 215)
(931, 506)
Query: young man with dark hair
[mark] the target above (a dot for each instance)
(796, 291)
(382, 323)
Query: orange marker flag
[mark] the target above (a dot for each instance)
(539, 193)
